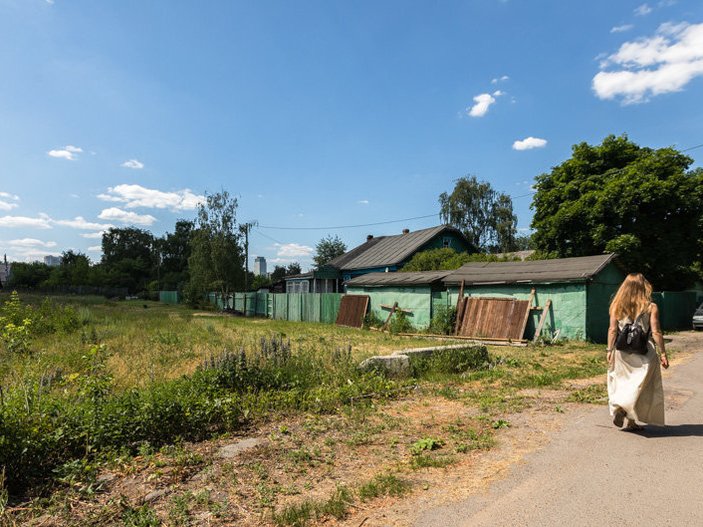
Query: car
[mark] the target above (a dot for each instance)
(698, 318)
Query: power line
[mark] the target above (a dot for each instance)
(405, 219)
(346, 226)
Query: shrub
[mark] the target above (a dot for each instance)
(451, 361)
(400, 323)
(443, 320)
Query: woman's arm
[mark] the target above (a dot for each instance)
(612, 335)
(657, 334)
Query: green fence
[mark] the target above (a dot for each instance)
(169, 297)
(675, 309)
(299, 307)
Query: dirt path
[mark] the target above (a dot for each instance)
(589, 473)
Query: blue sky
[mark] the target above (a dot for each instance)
(318, 113)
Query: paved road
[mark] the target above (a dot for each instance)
(594, 474)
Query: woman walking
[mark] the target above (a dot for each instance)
(634, 378)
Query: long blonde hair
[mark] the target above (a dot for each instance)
(633, 298)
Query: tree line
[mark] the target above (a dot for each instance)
(644, 204)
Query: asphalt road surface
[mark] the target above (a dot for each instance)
(594, 474)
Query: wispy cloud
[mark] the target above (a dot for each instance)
(529, 143)
(621, 29)
(14, 222)
(29, 243)
(500, 79)
(131, 218)
(92, 235)
(482, 102)
(79, 222)
(8, 201)
(643, 10)
(663, 63)
(134, 196)
(95, 249)
(68, 152)
(134, 164)
(293, 250)
(363, 202)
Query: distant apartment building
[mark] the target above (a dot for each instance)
(52, 261)
(259, 266)
(5, 269)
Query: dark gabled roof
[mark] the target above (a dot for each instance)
(398, 279)
(577, 269)
(388, 250)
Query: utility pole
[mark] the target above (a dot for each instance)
(246, 228)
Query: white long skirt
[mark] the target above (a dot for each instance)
(635, 385)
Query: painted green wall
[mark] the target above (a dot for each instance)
(416, 299)
(567, 314)
(600, 291)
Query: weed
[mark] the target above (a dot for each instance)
(593, 394)
(500, 423)
(424, 444)
(383, 485)
(143, 516)
(427, 461)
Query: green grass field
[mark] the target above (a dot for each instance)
(99, 382)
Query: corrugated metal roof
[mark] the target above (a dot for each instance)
(537, 271)
(398, 279)
(387, 250)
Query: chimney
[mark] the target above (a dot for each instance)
(406, 231)
(369, 237)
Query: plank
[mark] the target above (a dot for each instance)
(527, 313)
(493, 318)
(542, 319)
(459, 308)
(390, 315)
(352, 310)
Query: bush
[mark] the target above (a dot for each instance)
(47, 423)
(400, 323)
(452, 361)
(443, 320)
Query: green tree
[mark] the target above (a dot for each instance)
(216, 261)
(174, 251)
(447, 259)
(29, 275)
(293, 268)
(129, 257)
(484, 215)
(327, 249)
(75, 269)
(639, 202)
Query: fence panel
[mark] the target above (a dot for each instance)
(329, 307)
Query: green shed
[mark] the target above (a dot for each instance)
(579, 288)
(414, 292)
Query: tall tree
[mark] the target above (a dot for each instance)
(216, 262)
(484, 215)
(327, 249)
(174, 251)
(129, 257)
(640, 202)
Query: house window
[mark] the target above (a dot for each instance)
(446, 242)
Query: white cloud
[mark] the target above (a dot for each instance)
(621, 29)
(498, 93)
(363, 202)
(643, 68)
(7, 201)
(133, 163)
(95, 249)
(499, 79)
(68, 152)
(115, 214)
(292, 250)
(643, 10)
(92, 235)
(29, 243)
(13, 222)
(134, 196)
(79, 222)
(529, 143)
(482, 102)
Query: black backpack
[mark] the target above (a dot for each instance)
(632, 337)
